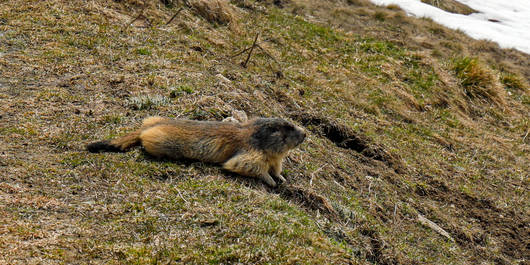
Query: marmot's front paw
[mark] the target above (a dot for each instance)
(281, 179)
(268, 179)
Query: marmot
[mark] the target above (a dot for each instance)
(255, 148)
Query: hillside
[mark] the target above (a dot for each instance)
(418, 147)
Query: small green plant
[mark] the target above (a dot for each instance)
(143, 51)
(478, 81)
(180, 90)
(386, 48)
(471, 73)
(146, 102)
(114, 119)
(380, 16)
(513, 81)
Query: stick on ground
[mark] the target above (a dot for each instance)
(251, 49)
(174, 16)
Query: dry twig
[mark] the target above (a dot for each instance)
(313, 174)
(140, 16)
(251, 49)
(267, 53)
(174, 16)
(240, 52)
(426, 222)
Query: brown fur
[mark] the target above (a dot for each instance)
(255, 148)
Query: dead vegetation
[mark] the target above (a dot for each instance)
(451, 6)
(215, 11)
(398, 128)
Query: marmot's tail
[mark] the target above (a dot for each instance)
(121, 144)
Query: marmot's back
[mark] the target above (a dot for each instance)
(212, 142)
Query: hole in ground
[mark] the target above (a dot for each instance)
(345, 137)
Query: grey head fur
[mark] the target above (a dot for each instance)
(275, 135)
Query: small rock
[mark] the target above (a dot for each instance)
(209, 222)
(223, 78)
(230, 119)
(240, 115)
(117, 80)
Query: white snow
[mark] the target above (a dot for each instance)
(511, 31)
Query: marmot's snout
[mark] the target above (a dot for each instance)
(301, 135)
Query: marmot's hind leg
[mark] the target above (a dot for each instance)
(126, 142)
(157, 141)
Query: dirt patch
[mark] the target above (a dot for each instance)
(377, 248)
(345, 137)
(308, 198)
(508, 227)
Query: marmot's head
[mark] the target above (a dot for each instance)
(275, 135)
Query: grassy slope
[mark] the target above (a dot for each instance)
(426, 144)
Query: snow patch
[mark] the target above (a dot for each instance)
(504, 22)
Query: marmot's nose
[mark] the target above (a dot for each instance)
(303, 133)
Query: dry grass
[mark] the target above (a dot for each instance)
(393, 7)
(451, 6)
(391, 137)
(215, 11)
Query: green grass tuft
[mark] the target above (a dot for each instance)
(513, 81)
(143, 51)
(147, 102)
(477, 80)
